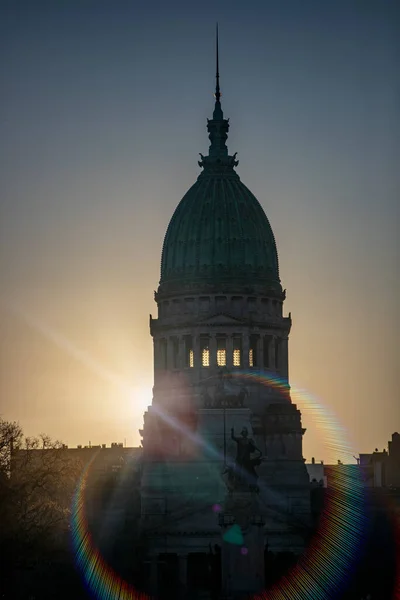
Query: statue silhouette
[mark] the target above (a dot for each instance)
(244, 472)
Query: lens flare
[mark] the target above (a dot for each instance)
(326, 566)
(327, 563)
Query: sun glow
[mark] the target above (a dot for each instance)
(140, 398)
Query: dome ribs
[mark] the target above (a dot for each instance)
(219, 232)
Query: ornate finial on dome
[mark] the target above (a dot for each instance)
(218, 159)
(218, 114)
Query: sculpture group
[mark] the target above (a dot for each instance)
(225, 394)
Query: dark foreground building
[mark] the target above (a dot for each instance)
(222, 439)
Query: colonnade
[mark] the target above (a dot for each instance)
(237, 350)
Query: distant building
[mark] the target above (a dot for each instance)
(377, 469)
(104, 463)
(316, 473)
(382, 469)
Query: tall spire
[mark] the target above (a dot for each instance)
(218, 159)
(218, 114)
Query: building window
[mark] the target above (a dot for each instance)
(165, 308)
(252, 303)
(253, 356)
(237, 304)
(204, 303)
(236, 357)
(221, 352)
(237, 352)
(176, 307)
(189, 355)
(205, 352)
(220, 303)
(189, 303)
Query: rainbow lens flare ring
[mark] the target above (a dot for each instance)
(321, 572)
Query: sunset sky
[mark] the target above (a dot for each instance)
(103, 114)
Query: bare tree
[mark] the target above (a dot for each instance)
(10, 437)
(37, 480)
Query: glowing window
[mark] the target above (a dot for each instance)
(205, 351)
(221, 352)
(189, 355)
(253, 354)
(236, 357)
(237, 351)
(221, 358)
(205, 357)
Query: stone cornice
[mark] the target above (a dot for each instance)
(200, 288)
(280, 324)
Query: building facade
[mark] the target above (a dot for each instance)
(221, 397)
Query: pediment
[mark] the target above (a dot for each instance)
(220, 319)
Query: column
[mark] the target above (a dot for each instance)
(213, 350)
(265, 345)
(245, 350)
(229, 351)
(260, 352)
(169, 352)
(271, 351)
(182, 560)
(196, 351)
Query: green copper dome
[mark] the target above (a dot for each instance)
(219, 235)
